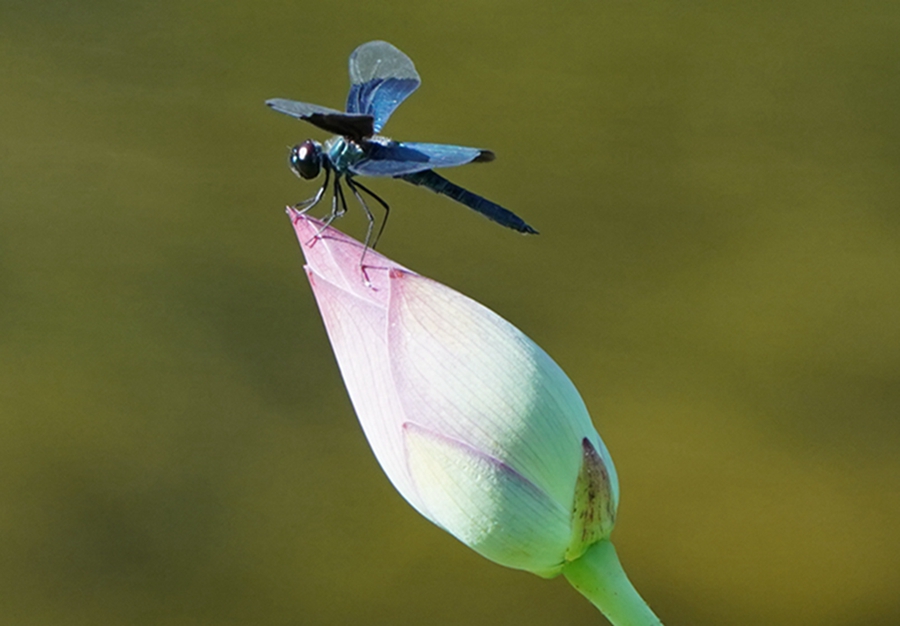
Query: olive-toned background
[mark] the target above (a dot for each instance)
(717, 189)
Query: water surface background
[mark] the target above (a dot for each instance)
(718, 270)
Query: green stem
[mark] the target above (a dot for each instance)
(599, 577)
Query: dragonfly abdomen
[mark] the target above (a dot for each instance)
(491, 210)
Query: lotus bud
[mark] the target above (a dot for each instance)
(474, 424)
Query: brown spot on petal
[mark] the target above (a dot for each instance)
(593, 510)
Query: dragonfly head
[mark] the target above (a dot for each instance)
(306, 159)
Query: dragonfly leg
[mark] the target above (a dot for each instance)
(356, 187)
(387, 210)
(371, 218)
(309, 203)
(339, 193)
(338, 206)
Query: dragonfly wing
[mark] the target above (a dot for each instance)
(381, 77)
(398, 158)
(334, 121)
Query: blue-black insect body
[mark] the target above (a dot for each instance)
(381, 77)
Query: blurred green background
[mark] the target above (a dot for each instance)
(717, 189)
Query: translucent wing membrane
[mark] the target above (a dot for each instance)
(395, 158)
(334, 121)
(381, 77)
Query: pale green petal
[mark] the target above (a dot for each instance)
(486, 504)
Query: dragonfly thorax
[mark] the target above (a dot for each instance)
(342, 152)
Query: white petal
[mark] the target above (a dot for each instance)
(463, 371)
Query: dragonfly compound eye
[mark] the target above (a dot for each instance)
(306, 159)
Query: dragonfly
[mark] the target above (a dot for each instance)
(381, 78)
